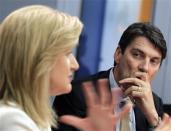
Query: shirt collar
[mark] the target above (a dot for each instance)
(112, 81)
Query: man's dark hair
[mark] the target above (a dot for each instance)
(147, 30)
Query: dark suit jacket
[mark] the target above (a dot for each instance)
(74, 104)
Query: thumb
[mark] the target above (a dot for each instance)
(72, 121)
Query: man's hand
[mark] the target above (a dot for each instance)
(140, 92)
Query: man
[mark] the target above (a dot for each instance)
(137, 59)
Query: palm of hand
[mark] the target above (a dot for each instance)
(100, 108)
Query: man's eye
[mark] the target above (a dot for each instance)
(137, 55)
(155, 62)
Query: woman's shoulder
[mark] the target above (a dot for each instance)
(14, 118)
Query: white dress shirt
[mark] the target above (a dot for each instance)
(132, 123)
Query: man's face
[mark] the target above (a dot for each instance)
(141, 57)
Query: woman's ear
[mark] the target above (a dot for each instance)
(117, 55)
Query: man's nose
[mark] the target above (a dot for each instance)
(144, 65)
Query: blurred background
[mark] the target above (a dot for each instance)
(104, 22)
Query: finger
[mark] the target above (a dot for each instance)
(165, 125)
(131, 89)
(90, 94)
(116, 96)
(166, 118)
(136, 94)
(162, 123)
(131, 81)
(142, 76)
(124, 111)
(103, 90)
(72, 120)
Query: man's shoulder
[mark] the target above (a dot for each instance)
(156, 97)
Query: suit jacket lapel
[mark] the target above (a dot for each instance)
(141, 122)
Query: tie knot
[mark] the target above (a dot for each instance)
(124, 101)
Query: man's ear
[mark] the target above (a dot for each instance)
(117, 55)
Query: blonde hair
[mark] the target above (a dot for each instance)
(30, 40)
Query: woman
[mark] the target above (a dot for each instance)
(36, 61)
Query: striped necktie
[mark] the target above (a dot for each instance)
(124, 123)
